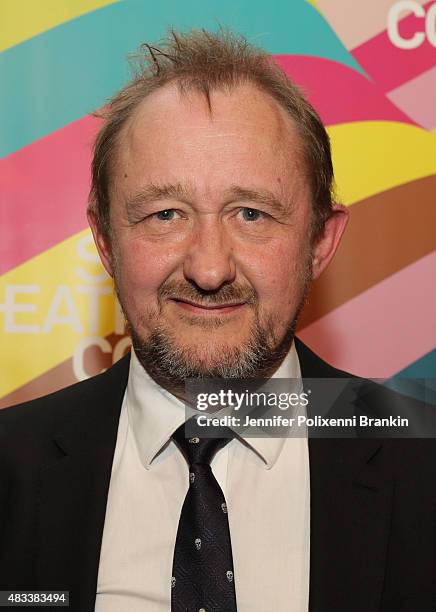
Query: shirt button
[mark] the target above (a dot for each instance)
(194, 440)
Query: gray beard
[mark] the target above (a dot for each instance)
(170, 365)
(259, 357)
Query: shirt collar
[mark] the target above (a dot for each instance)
(154, 413)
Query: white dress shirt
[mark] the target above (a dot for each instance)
(266, 485)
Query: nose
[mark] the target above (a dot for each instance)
(209, 261)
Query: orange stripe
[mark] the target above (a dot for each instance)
(92, 360)
(385, 234)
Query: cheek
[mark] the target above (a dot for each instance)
(143, 268)
(276, 273)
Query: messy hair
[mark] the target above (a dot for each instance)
(203, 61)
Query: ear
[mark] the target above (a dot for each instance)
(327, 244)
(102, 243)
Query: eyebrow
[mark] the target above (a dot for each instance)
(177, 191)
(154, 193)
(264, 197)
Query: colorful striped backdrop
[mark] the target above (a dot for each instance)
(373, 312)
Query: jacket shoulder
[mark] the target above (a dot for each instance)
(312, 366)
(41, 414)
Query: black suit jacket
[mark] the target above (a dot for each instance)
(373, 503)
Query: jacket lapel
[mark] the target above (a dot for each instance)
(351, 502)
(74, 488)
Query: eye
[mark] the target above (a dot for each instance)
(165, 215)
(251, 214)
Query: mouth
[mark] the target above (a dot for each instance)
(208, 309)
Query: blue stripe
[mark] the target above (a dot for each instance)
(61, 75)
(422, 368)
(418, 380)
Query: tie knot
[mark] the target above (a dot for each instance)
(200, 447)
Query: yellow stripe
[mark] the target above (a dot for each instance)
(21, 20)
(53, 291)
(372, 156)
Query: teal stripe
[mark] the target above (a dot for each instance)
(418, 380)
(423, 368)
(63, 74)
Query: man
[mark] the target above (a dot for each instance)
(211, 207)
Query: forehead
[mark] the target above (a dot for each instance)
(243, 102)
(190, 137)
(243, 105)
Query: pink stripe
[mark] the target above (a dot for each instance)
(339, 93)
(389, 66)
(416, 98)
(384, 329)
(44, 192)
(356, 22)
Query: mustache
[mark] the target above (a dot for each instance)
(234, 292)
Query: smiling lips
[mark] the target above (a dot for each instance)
(208, 309)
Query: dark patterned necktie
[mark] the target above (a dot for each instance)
(202, 579)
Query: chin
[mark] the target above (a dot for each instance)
(207, 337)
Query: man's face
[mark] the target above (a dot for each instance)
(210, 245)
